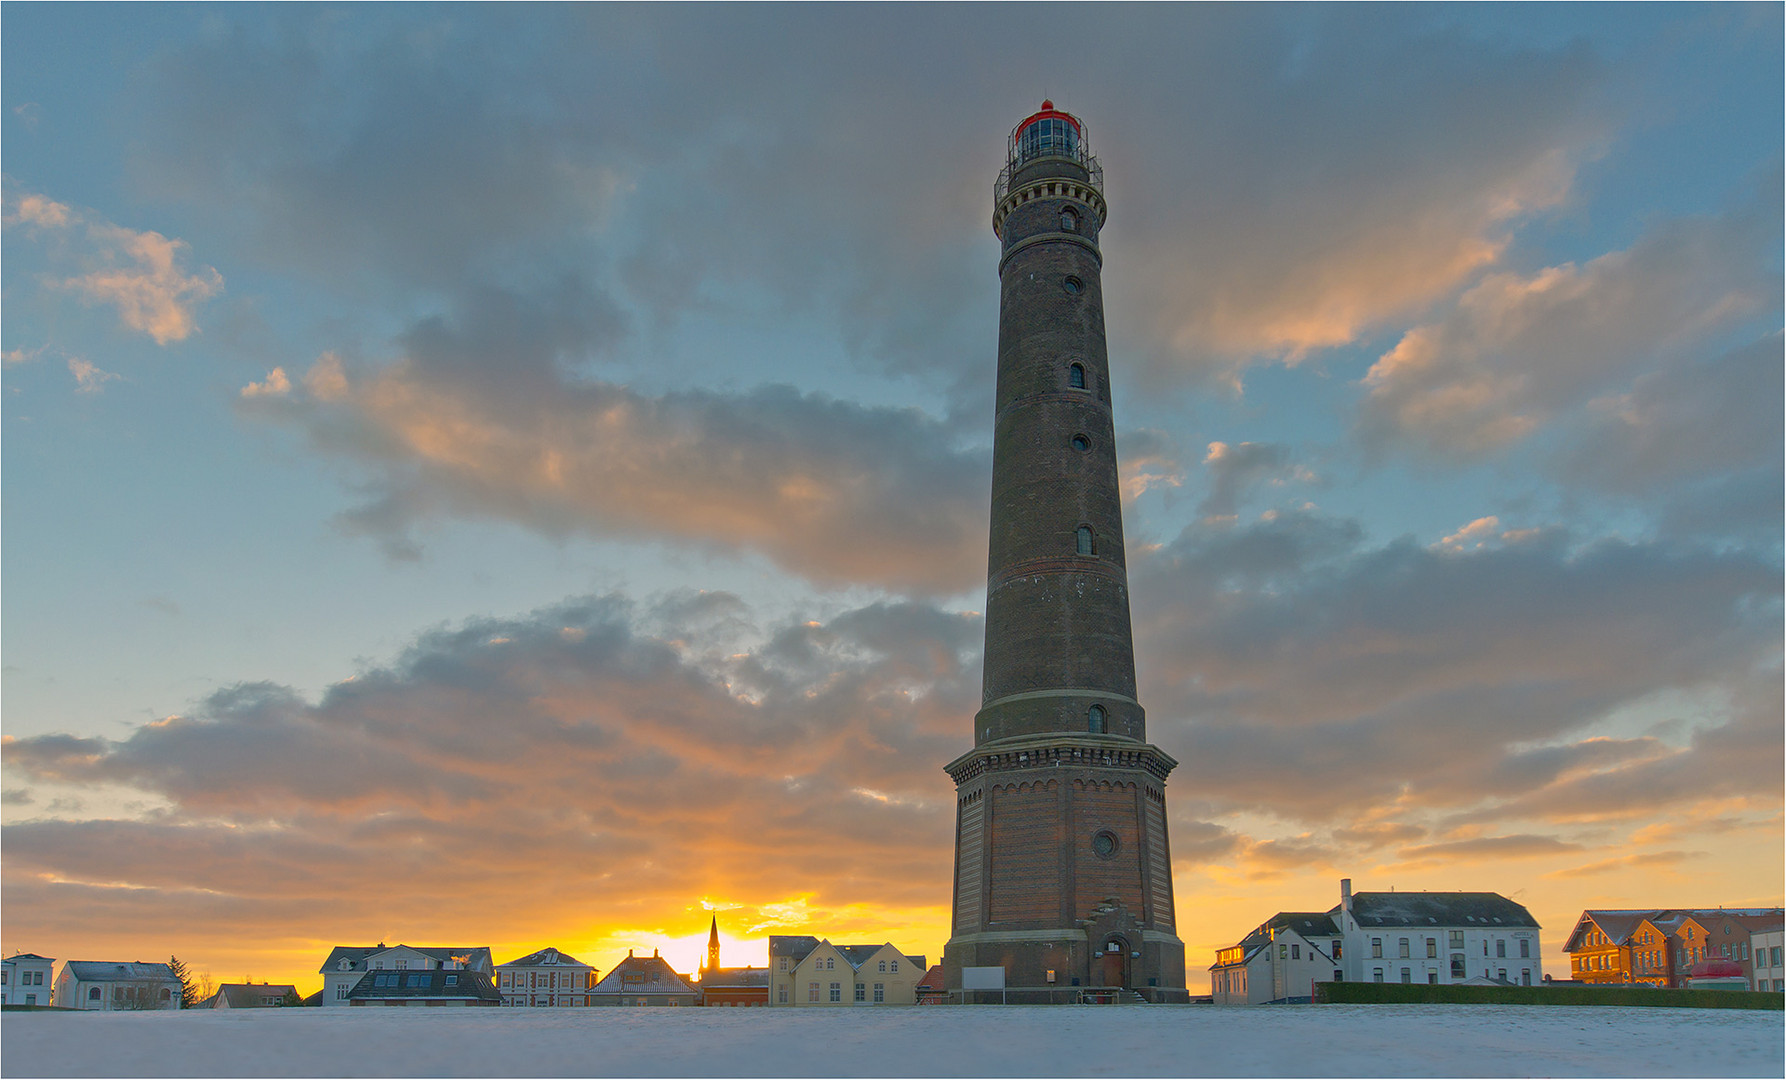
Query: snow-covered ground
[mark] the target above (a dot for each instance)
(1324, 1040)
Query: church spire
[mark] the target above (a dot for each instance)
(713, 946)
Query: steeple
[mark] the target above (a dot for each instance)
(713, 946)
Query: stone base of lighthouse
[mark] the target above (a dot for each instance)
(1062, 873)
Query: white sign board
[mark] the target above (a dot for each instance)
(982, 978)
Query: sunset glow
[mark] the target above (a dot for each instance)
(519, 477)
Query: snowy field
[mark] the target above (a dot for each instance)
(1326, 1040)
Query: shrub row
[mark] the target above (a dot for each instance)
(1374, 993)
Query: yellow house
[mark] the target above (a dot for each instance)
(809, 971)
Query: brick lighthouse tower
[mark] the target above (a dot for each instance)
(1062, 873)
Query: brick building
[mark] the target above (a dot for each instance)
(549, 978)
(1661, 946)
(1063, 876)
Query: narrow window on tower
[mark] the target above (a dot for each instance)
(1069, 221)
(1084, 545)
(1076, 376)
(1096, 720)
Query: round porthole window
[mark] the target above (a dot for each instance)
(1081, 443)
(1073, 285)
(1103, 844)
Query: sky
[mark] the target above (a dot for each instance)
(518, 476)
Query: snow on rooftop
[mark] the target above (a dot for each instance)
(985, 1041)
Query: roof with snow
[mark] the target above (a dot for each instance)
(642, 975)
(1483, 910)
(253, 995)
(547, 958)
(357, 955)
(435, 985)
(735, 978)
(105, 971)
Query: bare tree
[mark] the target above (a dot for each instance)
(142, 994)
(204, 988)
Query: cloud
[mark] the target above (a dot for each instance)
(1430, 685)
(1235, 471)
(1646, 860)
(1473, 535)
(136, 272)
(1498, 847)
(88, 377)
(576, 743)
(1520, 351)
(832, 491)
(276, 385)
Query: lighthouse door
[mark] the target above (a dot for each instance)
(1116, 963)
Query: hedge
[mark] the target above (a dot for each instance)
(1375, 993)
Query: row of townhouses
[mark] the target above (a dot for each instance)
(804, 971)
(1675, 947)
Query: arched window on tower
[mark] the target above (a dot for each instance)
(1069, 221)
(1084, 545)
(1076, 376)
(1096, 720)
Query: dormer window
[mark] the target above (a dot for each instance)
(344, 964)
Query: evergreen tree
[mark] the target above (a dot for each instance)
(188, 985)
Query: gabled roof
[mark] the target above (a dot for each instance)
(29, 956)
(435, 983)
(358, 955)
(734, 978)
(1308, 924)
(794, 946)
(104, 971)
(1481, 910)
(1617, 924)
(858, 955)
(656, 976)
(932, 980)
(251, 995)
(547, 958)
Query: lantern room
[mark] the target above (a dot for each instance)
(1046, 133)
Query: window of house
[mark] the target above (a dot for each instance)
(781, 996)
(1295, 952)
(452, 980)
(883, 966)
(894, 966)
(880, 993)
(1457, 939)
(341, 992)
(1432, 948)
(1083, 541)
(812, 991)
(1500, 947)
(1336, 949)
(861, 992)
(1525, 947)
(1501, 974)
(1283, 950)
(836, 991)
(830, 963)
(1376, 974)
(1376, 947)
(1457, 966)
(1076, 376)
(1432, 978)
(1402, 948)
(784, 963)
(401, 964)
(1407, 975)
(1525, 977)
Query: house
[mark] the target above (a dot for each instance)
(549, 978)
(109, 986)
(346, 964)
(425, 987)
(1278, 962)
(1661, 946)
(807, 971)
(931, 989)
(643, 981)
(1769, 973)
(253, 996)
(745, 987)
(26, 979)
(1405, 937)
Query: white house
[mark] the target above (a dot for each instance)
(1280, 961)
(347, 964)
(548, 978)
(1398, 937)
(1767, 946)
(26, 979)
(1437, 937)
(108, 987)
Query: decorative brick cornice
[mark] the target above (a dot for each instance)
(1060, 564)
(1058, 751)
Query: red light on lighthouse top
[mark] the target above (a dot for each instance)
(1049, 112)
(1047, 132)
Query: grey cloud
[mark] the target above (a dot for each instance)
(1501, 847)
(1371, 679)
(1656, 859)
(1235, 471)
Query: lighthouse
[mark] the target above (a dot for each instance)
(1063, 876)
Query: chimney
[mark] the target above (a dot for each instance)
(1346, 895)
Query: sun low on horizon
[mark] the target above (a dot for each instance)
(520, 478)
